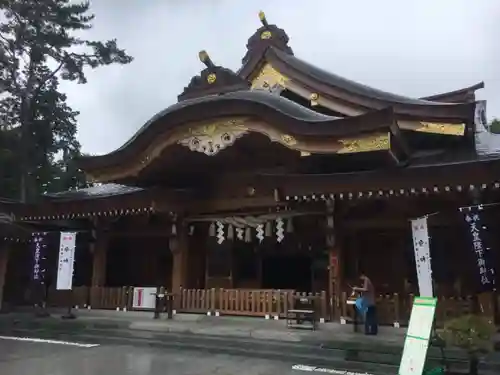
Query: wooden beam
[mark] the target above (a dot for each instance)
(218, 205)
(473, 172)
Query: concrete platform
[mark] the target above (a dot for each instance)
(257, 328)
(332, 343)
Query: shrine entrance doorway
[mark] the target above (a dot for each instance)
(292, 271)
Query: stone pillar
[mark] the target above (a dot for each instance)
(4, 258)
(99, 251)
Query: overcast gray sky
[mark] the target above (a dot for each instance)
(414, 48)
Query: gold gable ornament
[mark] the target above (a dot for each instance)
(212, 138)
(441, 128)
(211, 78)
(314, 99)
(266, 35)
(373, 143)
(269, 79)
(288, 140)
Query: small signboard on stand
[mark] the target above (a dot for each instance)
(418, 336)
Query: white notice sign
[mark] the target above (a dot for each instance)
(414, 361)
(417, 337)
(66, 261)
(422, 256)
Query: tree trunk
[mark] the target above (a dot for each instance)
(473, 365)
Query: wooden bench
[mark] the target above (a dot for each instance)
(303, 313)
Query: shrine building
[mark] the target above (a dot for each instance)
(277, 178)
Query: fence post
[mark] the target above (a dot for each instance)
(324, 308)
(397, 318)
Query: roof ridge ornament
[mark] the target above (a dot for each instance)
(267, 35)
(262, 17)
(205, 59)
(213, 80)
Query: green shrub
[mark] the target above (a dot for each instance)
(472, 333)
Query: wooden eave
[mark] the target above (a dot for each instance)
(420, 109)
(466, 94)
(146, 201)
(417, 179)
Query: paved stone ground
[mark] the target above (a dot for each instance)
(257, 328)
(25, 358)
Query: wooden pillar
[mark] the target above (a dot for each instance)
(99, 251)
(4, 258)
(336, 281)
(335, 263)
(179, 246)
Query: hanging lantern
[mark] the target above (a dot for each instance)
(211, 230)
(269, 229)
(329, 221)
(276, 195)
(248, 235)
(174, 230)
(230, 232)
(330, 240)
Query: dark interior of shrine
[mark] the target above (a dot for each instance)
(139, 262)
(287, 272)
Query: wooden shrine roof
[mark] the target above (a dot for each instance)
(431, 174)
(287, 117)
(253, 93)
(337, 87)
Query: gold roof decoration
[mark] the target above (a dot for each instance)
(266, 34)
(205, 59)
(203, 55)
(262, 17)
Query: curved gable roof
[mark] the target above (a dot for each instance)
(344, 83)
(461, 95)
(276, 47)
(288, 116)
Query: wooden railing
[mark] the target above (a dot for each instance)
(96, 297)
(393, 308)
(111, 298)
(248, 302)
(79, 296)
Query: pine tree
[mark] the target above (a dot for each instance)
(495, 126)
(41, 43)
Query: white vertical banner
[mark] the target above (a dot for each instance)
(422, 256)
(66, 261)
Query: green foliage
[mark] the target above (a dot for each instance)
(472, 333)
(41, 43)
(495, 126)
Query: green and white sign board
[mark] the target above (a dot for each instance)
(418, 336)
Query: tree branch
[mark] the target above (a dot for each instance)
(47, 78)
